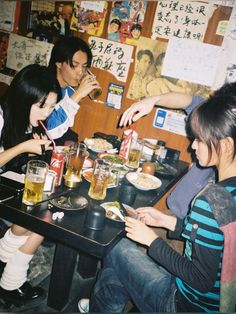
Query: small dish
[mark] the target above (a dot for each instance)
(143, 181)
(88, 163)
(71, 202)
(87, 174)
(110, 214)
(98, 145)
(115, 159)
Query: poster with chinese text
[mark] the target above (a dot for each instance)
(111, 56)
(181, 19)
(23, 51)
(89, 16)
(114, 95)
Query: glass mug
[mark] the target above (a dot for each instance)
(135, 152)
(76, 157)
(99, 181)
(96, 92)
(34, 181)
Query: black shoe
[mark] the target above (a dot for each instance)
(2, 266)
(23, 295)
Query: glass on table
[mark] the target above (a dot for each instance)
(34, 181)
(75, 160)
(135, 152)
(99, 181)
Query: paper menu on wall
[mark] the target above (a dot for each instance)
(191, 60)
(23, 51)
(171, 121)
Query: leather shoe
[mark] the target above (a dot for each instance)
(2, 266)
(25, 294)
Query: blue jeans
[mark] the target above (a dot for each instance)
(128, 273)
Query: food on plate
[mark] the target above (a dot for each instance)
(143, 181)
(110, 213)
(113, 158)
(98, 144)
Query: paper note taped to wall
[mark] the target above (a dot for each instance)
(23, 51)
(111, 56)
(170, 121)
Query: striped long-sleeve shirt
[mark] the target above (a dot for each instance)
(198, 271)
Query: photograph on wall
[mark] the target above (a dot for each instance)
(89, 16)
(49, 19)
(182, 19)
(148, 80)
(126, 21)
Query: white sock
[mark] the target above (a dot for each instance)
(9, 244)
(15, 272)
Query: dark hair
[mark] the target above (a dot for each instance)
(31, 85)
(159, 59)
(136, 26)
(145, 52)
(215, 119)
(117, 22)
(64, 50)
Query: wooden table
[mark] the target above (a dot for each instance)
(71, 236)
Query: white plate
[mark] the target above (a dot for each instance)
(98, 145)
(143, 181)
(87, 174)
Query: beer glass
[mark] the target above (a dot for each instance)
(96, 92)
(76, 157)
(34, 181)
(135, 152)
(99, 181)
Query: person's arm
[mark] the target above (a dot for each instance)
(145, 106)
(30, 146)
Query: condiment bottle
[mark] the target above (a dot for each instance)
(160, 149)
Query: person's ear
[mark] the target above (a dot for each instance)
(227, 145)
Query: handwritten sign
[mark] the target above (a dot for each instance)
(111, 56)
(191, 60)
(23, 51)
(182, 19)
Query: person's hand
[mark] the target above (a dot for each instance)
(137, 110)
(35, 146)
(139, 232)
(87, 84)
(155, 218)
(40, 137)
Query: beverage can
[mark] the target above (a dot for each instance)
(57, 164)
(126, 140)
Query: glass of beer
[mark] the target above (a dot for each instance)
(34, 181)
(76, 157)
(99, 181)
(97, 91)
(135, 152)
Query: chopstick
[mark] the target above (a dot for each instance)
(54, 195)
(48, 135)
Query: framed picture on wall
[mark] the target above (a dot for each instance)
(48, 19)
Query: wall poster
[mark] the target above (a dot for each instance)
(89, 16)
(182, 19)
(111, 56)
(23, 51)
(126, 21)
